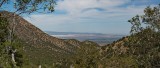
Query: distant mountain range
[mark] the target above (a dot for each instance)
(66, 33)
(99, 38)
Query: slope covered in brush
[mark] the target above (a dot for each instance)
(38, 45)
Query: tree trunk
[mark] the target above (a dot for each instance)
(13, 56)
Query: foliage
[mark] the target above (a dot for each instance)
(145, 47)
(150, 20)
(3, 29)
(87, 56)
(6, 47)
(144, 43)
(28, 6)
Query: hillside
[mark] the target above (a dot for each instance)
(39, 45)
(140, 50)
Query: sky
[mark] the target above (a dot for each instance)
(91, 16)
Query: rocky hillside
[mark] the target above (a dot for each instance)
(37, 43)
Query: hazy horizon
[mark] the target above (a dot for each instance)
(85, 32)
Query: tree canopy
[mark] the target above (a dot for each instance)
(150, 20)
(27, 6)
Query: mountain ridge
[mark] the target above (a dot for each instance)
(36, 41)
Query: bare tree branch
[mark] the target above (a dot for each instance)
(2, 3)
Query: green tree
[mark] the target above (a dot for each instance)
(150, 20)
(144, 42)
(28, 6)
(7, 49)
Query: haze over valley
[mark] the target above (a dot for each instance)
(101, 39)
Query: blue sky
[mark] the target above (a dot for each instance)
(92, 16)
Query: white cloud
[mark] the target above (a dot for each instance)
(76, 6)
(78, 11)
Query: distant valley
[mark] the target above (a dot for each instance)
(101, 39)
